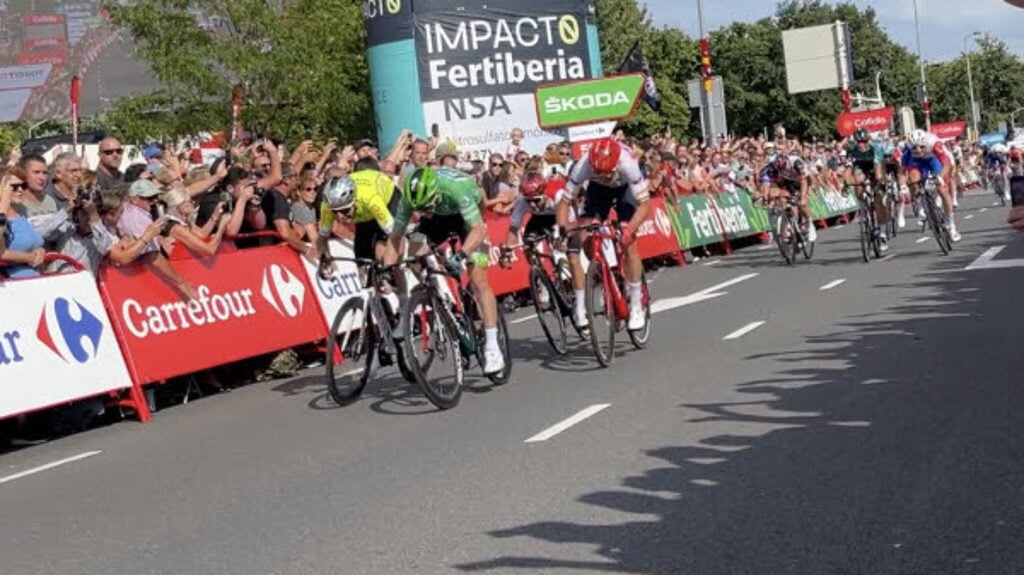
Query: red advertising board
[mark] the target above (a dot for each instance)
(949, 130)
(55, 57)
(870, 120)
(250, 302)
(511, 280)
(40, 19)
(656, 236)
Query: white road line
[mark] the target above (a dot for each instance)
(765, 247)
(524, 319)
(886, 258)
(984, 209)
(832, 284)
(922, 240)
(51, 465)
(968, 216)
(712, 262)
(744, 330)
(995, 204)
(712, 292)
(567, 423)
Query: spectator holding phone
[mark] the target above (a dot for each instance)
(180, 228)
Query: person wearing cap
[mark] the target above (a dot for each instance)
(136, 222)
(365, 148)
(153, 155)
(447, 154)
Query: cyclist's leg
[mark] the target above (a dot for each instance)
(626, 207)
(487, 302)
(597, 204)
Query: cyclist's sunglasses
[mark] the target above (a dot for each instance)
(345, 212)
(868, 141)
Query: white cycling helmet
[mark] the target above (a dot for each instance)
(340, 193)
(999, 148)
(918, 138)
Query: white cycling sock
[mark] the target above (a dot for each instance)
(491, 339)
(634, 292)
(580, 304)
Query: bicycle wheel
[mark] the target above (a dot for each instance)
(806, 245)
(784, 236)
(394, 324)
(567, 296)
(549, 312)
(350, 352)
(503, 376)
(599, 306)
(935, 220)
(642, 336)
(865, 234)
(432, 336)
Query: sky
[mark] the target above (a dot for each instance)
(944, 23)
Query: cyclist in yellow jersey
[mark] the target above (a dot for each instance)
(366, 198)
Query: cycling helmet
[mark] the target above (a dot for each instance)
(421, 189)
(861, 135)
(532, 185)
(999, 149)
(781, 160)
(918, 138)
(340, 193)
(604, 155)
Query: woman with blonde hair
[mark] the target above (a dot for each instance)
(181, 213)
(304, 209)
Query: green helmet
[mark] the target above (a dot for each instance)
(421, 189)
(861, 134)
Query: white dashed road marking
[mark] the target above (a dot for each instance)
(831, 284)
(51, 465)
(744, 330)
(568, 422)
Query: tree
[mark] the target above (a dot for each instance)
(621, 23)
(302, 67)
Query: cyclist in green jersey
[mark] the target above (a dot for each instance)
(865, 161)
(450, 202)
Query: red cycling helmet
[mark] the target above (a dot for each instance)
(604, 155)
(532, 185)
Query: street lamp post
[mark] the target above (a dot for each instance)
(970, 84)
(1013, 125)
(925, 105)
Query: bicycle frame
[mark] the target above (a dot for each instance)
(600, 239)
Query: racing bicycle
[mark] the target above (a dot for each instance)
(444, 324)
(935, 218)
(550, 289)
(362, 335)
(787, 225)
(605, 292)
(867, 216)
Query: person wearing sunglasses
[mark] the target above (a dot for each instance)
(613, 179)
(108, 172)
(366, 199)
(21, 246)
(865, 158)
(925, 155)
(450, 202)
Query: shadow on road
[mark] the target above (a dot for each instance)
(893, 444)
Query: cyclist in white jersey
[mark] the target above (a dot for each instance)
(613, 179)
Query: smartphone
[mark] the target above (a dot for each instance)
(435, 131)
(1017, 191)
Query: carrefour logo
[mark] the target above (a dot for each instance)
(70, 330)
(283, 291)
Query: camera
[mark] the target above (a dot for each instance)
(85, 194)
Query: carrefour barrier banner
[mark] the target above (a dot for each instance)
(250, 302)
(657, 236)
(344, 283)
(472, 68)
(56, 343)
(505, 281)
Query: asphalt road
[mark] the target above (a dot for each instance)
(869, 425)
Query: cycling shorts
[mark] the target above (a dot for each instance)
(367, 234)
(438, 229)
(599, 200)
(926, 166)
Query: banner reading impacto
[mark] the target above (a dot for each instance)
(476, 65)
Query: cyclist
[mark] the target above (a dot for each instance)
(891, 169)
(612, 178)
(449, 201)
(925, 155)
(784, 176)
(539, 197)
(1016, 161)
(996, 162)
(366, 198)
(866, 157)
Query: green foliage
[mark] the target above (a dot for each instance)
(300, 68)
(998, 77)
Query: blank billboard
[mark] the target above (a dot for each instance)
(817, 57)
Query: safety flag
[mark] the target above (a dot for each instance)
(636, 62)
